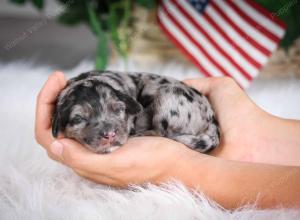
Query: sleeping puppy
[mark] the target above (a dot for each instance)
(102, 109)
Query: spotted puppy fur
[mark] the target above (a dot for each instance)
(101, 109)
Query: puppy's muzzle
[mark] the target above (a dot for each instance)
(110, 135)
(107, 137)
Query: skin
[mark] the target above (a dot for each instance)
(257, 161)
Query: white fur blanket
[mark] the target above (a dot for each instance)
(35, 188)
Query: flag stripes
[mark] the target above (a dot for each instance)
(226, 38)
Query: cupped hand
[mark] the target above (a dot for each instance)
(152, 159)
(140, 160)
(45, 105)
(244, 126)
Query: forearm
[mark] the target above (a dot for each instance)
(233, 184)
(269, 139)
(288, 132)
(281, 142)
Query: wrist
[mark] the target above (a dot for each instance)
(206, 174)
(194, 169)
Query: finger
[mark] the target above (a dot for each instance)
(47, 97)
(76, 156)
(56, 82)
(53, 156)
(201, 84)
(44, 107)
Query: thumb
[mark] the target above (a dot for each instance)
(76, 156)
(201, 84)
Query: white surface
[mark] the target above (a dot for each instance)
(34, 187)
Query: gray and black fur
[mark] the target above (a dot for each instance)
(98, 103)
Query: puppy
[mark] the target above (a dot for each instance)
(101, 109)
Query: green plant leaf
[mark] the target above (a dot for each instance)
(146, 3)
(119, 16)
(288, 12)
(127, 16)
(113, 24)
(71, 17)
(93, 20)
(102, 53)
(102, 47)
(66, 1)
(20, 2)
(38, 3)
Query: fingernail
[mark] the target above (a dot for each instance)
(56, 148)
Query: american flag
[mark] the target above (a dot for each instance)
(222, 37)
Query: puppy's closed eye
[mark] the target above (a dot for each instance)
(77, 119)
(118, 107)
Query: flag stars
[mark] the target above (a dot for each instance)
(199, 5)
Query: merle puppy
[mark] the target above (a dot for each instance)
(101, 109)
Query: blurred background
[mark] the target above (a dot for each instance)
(40, 36)
(36, 35)
(62, 33)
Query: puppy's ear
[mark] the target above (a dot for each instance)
(61, 115)
(56, 123)
(132, 106)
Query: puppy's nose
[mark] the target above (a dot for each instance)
(110, 135)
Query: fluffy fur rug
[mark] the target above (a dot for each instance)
(35, 188)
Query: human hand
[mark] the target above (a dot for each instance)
(45, 105)
(245, 128)
(235, 112)
(157, 159)
(140, 160)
